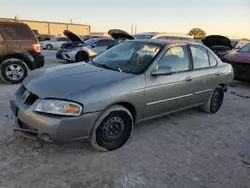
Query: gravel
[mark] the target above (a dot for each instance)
(190, 149)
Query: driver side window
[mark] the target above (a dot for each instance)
(176, 58)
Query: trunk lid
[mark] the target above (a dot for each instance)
(118, 34)
(217, 40)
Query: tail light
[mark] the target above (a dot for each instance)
(37, 48)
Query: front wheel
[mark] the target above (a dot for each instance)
(215, 101)
(112, 129)
(81, 56)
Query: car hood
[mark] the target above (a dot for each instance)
(72, 36)
(63, 81)
(118, 34)
(217, 40)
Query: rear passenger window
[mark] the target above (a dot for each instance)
(18, 32)
(213, 61)
(200, 57)
(62, 39)
(175, 58)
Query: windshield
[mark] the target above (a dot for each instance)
(90, 41)
(129, 56)
(143, 36)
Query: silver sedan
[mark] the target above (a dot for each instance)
(103, 99)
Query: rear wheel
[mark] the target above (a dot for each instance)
(82, 56)
(49, 47)
(215, 101)
(13, 71)
(113, 129)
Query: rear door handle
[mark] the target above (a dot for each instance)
(218, 73)
(188, 79)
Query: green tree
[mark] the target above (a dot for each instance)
(197, 33)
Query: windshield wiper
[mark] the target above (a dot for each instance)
(105, 66)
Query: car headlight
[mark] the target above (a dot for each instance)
(59, 107)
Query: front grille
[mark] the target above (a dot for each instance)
(28, 129)
(30, 99)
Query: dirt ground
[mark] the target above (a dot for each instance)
(190, 149)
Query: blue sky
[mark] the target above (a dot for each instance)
(227, 17)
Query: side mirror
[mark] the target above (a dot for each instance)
(162, 71)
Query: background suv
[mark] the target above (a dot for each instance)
(19, 51)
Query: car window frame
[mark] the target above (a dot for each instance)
(210, 61)
(102, 41)
(192, 45)
(239, 51)
(164, 51)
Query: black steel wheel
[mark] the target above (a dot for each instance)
(113, 129)
(216, 100)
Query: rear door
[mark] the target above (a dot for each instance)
(168, 93)
(102, 45)
(205, 73)
(59, 42)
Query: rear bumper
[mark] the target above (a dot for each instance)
(39, 61)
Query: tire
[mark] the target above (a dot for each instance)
(49, 47)
(215, 101)
(82, 56)
(13, 71)
(112, 129)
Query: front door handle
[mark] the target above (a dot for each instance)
(188, 79)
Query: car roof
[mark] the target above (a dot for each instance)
(98, 38)
(173, 34)
(165, 41)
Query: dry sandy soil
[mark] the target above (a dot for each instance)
(190, 149)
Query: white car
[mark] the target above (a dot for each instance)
(54, 43)
(79, 50)
(167, 35)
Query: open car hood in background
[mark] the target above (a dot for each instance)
(217, 40)
(118, 34)
(72, 36)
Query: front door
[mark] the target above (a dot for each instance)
(168, 93)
